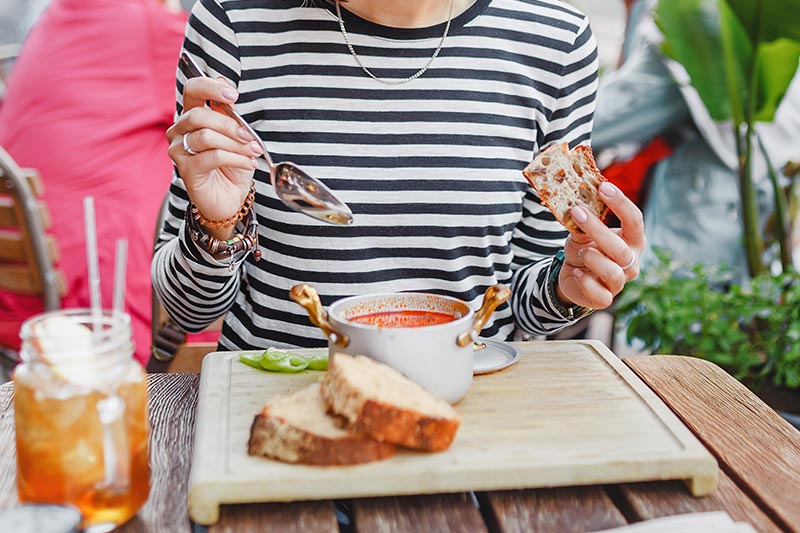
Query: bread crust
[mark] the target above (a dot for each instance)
(383, 421)
(402, 427)
(285, 431)
(560, 187)
(275, 437)
(349, 418)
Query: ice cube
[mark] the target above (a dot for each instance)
(82, 464)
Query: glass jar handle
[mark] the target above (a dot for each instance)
(116, 447)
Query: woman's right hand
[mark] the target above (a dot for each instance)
(219, 175)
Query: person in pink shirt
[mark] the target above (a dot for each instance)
(88, 103)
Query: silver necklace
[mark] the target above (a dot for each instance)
(395, 81)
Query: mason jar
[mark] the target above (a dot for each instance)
(81, 416)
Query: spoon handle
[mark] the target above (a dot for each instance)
(190, 69)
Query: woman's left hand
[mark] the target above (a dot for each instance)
(598, 262)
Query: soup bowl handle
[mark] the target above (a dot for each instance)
(307, 296)
(493, 297)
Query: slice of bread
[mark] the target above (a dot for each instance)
(565, 178)
(382, 403)
(295, 428)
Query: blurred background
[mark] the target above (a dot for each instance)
(608, 21)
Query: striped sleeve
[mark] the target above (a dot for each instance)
(538, 236)
(194, 287)
(572, 114)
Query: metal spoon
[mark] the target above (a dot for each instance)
(299, 191)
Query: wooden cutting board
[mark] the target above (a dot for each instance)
(568, 413)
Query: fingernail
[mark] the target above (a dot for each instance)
(579, 214)
(608, 190)
(230, 94)
(581, 253)
(244, 134)
(255, 147)
(254, 161)
(578, 273)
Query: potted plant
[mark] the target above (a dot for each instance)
(741, 56)
(752, 330)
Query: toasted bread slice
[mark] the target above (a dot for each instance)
(382, 403)
(295, 428)
(565, 178)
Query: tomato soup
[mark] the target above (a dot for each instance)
(403, 319)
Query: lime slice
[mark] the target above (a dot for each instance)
(250, 359)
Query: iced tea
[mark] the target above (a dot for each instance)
(82, 427)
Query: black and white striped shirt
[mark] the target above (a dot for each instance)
(430, 168)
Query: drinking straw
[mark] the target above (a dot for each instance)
(93, 263)
(120, 260)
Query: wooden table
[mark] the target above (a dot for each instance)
(758, 453)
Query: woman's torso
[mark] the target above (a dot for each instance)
(431, 168)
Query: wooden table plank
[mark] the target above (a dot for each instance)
(557, 510)
(643, 501)
(753, 445)
(172, 402)
(172, 407)
(8, 456)
(758, 447)
(294, 517)
(412, 514)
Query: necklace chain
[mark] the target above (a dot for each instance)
(393, 81)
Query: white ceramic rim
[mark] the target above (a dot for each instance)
(335, 308)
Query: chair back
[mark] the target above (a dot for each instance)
(28, 255)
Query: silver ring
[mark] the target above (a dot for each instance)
(632, 262)
(186, 147)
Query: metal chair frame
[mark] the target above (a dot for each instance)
(16, 184)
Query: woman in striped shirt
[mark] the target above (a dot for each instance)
(420, 114)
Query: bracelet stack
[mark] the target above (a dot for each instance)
(243, 241)
(231, 220)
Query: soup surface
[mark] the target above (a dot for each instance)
(403, 319)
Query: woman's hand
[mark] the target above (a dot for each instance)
(599, 262)
(218, 168)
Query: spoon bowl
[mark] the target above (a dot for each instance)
(295, 188)
(307, 195)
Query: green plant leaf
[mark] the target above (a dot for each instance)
(777, 62)
(715, 41)
(753, 330)
(777, 19)
(693, 37)
(792, 378)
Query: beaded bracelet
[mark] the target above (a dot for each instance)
(573, 312)
(245, 241)
(233, 219)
